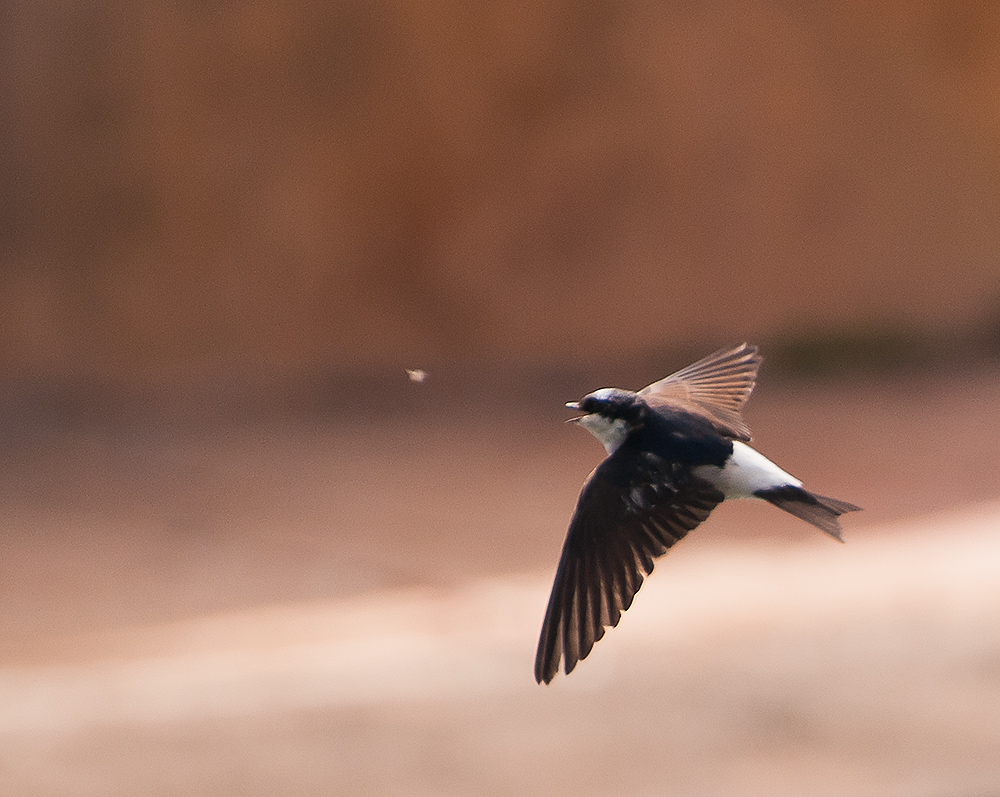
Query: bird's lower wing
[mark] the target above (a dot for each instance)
(633, 508)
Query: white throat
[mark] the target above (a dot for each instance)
(611, 433)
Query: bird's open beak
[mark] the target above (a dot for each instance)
(573, 406)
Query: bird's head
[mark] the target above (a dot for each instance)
(609, 414)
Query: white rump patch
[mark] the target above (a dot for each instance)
(744, 473)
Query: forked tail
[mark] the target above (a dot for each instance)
(819, 510)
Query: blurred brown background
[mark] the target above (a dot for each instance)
(290, 186)
(227, 228)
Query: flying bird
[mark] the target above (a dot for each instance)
(676, 450)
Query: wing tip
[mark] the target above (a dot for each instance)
(548, 657)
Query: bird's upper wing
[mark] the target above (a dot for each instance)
(716, 387)
(632, 508)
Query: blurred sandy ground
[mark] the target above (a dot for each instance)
(316, 607)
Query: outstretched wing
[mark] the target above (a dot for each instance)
(634, 507)
(715, 388)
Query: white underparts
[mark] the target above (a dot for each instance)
(611, 433)
(744, 473)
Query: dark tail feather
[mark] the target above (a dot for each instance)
(819, 510)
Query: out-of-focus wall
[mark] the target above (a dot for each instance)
(288, 185)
